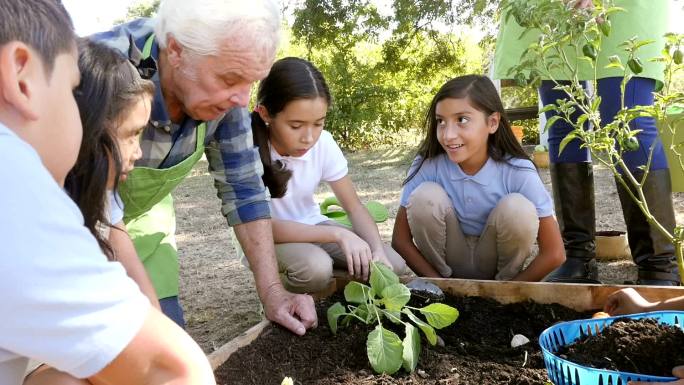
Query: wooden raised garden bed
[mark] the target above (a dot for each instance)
(476, 347)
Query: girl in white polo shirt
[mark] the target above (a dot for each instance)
(473, 203)
(292, 103)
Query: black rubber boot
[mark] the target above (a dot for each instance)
(573, 196)
(652, 252)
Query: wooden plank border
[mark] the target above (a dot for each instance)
(581, 297)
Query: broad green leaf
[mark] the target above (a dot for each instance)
(427, 329)
(550, 121)
(583, 118)
(439, 315)
(615, 65)
(411, 348)
(568, 138)
(642, 43)
(395, 296)
(548, 107)
(614, 9)
(384, 350)
(334, 312)
(381, 276)
(356, 292)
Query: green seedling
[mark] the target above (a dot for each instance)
(386, 299)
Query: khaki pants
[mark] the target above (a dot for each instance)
(308, 267)
(498, 253)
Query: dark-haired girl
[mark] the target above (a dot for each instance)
(473, 203)
(114, 103)
(297, 154)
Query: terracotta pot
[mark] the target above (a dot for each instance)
(518, 132)
(541, 159)
(612, 245)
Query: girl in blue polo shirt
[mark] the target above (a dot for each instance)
(473, 204)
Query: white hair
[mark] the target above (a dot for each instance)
(205, 27)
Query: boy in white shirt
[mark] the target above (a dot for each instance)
(62, 302)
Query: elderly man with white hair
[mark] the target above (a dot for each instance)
(204, 56)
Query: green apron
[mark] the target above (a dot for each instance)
(149, 214)
(645, 19)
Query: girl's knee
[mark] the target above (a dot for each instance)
(516, 213)
(398, 263)
(315, 275)
(427, 201)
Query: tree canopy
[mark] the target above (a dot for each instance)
(383, 59)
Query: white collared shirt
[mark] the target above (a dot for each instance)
(323, 162)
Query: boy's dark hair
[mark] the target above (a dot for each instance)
(109, 86)
(44, 25)
(290, 79)
(480, 91)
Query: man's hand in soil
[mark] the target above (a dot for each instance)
(678, 372)
(295, 312)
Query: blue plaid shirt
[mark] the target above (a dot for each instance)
(233, 160)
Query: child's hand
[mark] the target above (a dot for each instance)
(379, 256)
(626, 301)
(357, 252)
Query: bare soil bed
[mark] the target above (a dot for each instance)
(476, 350)
(217, 292)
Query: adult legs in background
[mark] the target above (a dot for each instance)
(651, 251)
(572, 181)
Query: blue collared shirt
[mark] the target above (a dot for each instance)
(475, 196)
(233, 159)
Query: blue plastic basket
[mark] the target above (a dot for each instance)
(564, 372)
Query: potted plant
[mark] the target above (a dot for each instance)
(575, 42)
(540, 156)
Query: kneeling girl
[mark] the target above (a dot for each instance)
(292, 103)
(473, 203)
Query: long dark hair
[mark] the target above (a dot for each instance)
(110, 85)
(480, 91)
(290, 79)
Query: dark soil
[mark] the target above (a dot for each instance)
(476, 350)
(638, 346)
